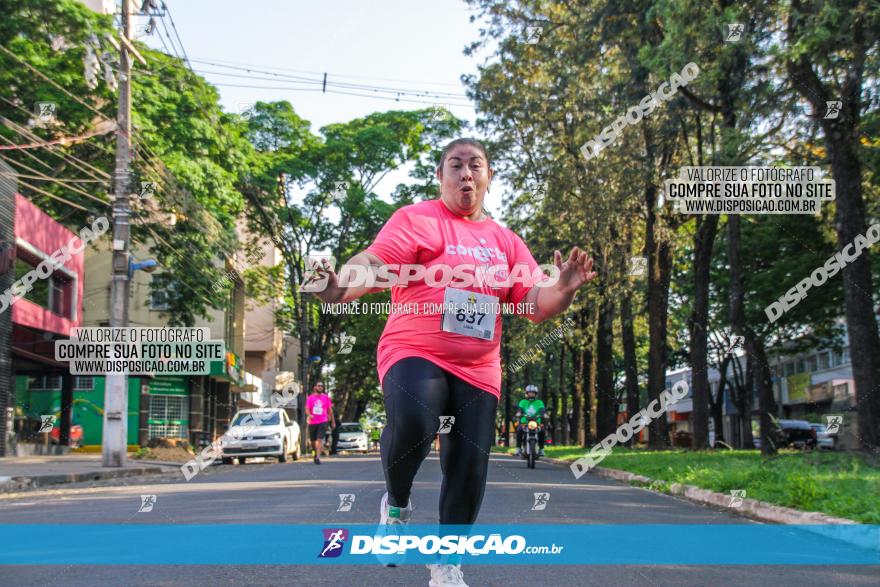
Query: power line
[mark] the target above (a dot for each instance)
(381, 79)
(63, 141)
(44, 177)
(174, 26)
(54, 197)
(53, 82)
(388, 98)
(31, 136)
(320, 80)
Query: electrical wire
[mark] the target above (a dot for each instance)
(320, 81)
(44, 177)
(382, 79)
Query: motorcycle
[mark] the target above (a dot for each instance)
(530, 444)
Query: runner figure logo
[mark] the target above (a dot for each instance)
(315, 279)
(147, 189)
(533, 34)
(736, 342)
(340, 191)
(638, 266)
(346, 500)
(47, 423)
(734, 32)
(346, 343)
(45, 112)
(438, 112)
(334, 541)
(147, 503)
(446, 423)
(245, 110)
(832, 109)
(541, 500)
(834, 424)
(736, 498)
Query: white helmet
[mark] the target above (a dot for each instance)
(531, 388)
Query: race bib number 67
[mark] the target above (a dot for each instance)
(469, 313)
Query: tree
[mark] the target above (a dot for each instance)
(829, 55)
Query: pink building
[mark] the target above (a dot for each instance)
(54, 304)
(47, 270)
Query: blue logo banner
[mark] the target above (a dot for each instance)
(624, 544)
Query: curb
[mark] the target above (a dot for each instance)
(762, 511)
(13, 484)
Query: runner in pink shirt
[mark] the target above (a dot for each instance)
(452, 268)
(319, 409)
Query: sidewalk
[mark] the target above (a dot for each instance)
(17, 473)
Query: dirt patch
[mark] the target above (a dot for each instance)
(177, 454)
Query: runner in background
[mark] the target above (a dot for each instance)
(319, 410)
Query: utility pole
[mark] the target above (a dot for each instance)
(115, 445)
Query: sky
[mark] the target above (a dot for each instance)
(414, 45)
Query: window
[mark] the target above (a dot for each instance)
(160, 287)
(83, 382)
(811, 363)
(824, 360)
(168, 416)
(789, 369)
(55, 293)
(799, 366)
(845, 358)
(44, 382)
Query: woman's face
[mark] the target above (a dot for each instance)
(464, 179)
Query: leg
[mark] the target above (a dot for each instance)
(519, 437)
(415, 392)
(464, 454)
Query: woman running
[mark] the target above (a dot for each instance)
(433, 364)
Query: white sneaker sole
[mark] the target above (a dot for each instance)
(383, 521)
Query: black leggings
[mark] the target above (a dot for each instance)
(417, 393)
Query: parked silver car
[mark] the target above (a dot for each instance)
(352, 437)
(824, 439)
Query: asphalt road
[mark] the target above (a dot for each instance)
(303, 493)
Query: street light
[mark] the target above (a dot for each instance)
(149, 266)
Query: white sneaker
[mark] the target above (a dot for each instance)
(390, 515)
(446, 576)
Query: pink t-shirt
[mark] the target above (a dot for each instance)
(429, 234)
(318, 406)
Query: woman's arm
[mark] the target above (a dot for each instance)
(351, 282)
(547, 302)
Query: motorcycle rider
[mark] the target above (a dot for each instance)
(530, 407)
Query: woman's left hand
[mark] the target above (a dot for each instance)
(575, 271)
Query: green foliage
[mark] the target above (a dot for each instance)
(835, 483)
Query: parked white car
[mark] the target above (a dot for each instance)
(352, 437)
(263, 432)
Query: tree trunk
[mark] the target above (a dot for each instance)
(606, 401)
(563, 389)
(864, 342)
(698, 323)
(842, 141)
(630, 367)
(589, 376)
(717, 403)
(766, 403)
(659, 267)
(506, 390)
(577, 400)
